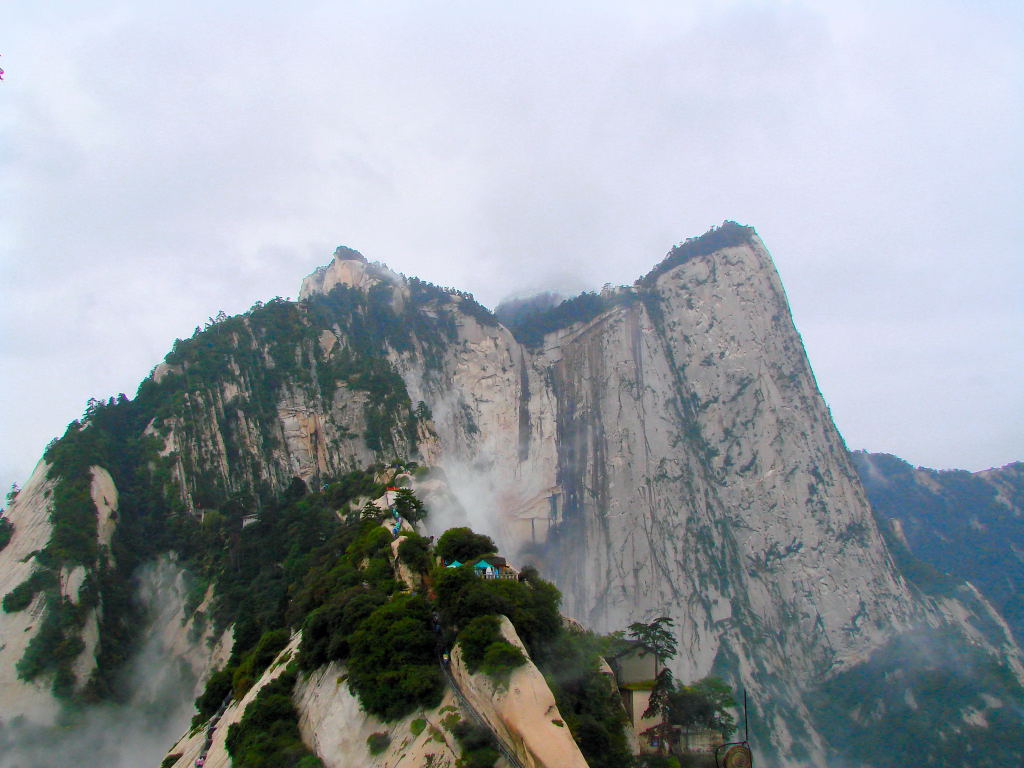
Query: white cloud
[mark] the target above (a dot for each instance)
(164, 161)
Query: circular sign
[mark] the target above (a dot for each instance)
(738, 756)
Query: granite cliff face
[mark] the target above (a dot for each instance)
(659, 449)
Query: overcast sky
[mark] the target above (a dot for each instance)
(161, 161)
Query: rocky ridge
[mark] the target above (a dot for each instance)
(669, 454)
(522, 711)
(29, 513)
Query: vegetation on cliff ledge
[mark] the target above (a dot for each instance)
(531, 319)
(268, 733)
(6, 531)
(728, 235)
(530, 327)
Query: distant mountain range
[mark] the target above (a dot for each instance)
(969, 525)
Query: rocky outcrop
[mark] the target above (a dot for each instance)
(522, 712)
(336, 728)
(104, 498)
(348, 267)
(30, 514)
(193, 744)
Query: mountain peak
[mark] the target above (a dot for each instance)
(728, 235)
(344, 253)
(348, 267)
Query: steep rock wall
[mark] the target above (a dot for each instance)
(192, 745)
(698, 465)
(336, 728)
(523, 711)
(30, 514)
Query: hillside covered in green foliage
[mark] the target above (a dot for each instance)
(178, 495)
(963, 525)
(334, 577)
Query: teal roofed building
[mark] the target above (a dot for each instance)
(495, 567)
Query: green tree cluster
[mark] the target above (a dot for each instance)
(19, 598)
(531, 607)
(327, 629)
(218, 687)
(351, 610)
(271, 575)
(415, 552)
(378, 742)
(6, 532)
(703, 704)
(268, 736)
(55, 646)
(477, 745)
(254, 662)
(393, 665)
(484, 647)
(590, 706)
(408, 506)
(463, 544)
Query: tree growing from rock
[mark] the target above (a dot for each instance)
(700, 705)
(409, 506)
(656, 638)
